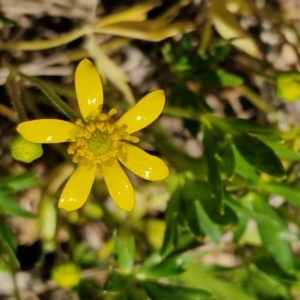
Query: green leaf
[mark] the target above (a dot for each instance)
(264, 286)
(196, 277)
(210, 153)
(8, 205)
(6, 21)
(115, 282)
(243, 213)
(218, 51)
(179, 95)
(200, 191)
(85, 256)
(199, 220)
(8, 245)
(19, 182)
(283, 152)
(217, 78)
(243, 168)
(240, 228)
(228, 79)
(178, 236)
(173, 292)
(185, 61)
(173, 209)
(155, 266)
(225, 157)
(124, 251)
(272, 230)
(289, 193)
(192, 219)
(259, 155)
(269, 266)
(208, 226)
(116, 286)
(238, 126)
(181, 58)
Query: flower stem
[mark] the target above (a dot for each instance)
(53, 97)
(255, 99)
(15, 97)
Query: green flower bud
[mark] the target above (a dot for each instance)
(24, 150)
(288, 86)
(66, 275)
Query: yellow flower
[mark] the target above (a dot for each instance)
(98, 144)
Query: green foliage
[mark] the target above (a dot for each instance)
(124, 253)
(7, 246)
(257, 154)
(166, 291)
(10, 207)
(6, 21)
(8, 186)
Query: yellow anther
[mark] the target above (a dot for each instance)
(91, 127)
(101, 126)
(79, 123)
(110, 127)
(134, 139)
(102, 117)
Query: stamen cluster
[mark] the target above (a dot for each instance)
(99, 140)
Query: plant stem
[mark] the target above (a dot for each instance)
(47, 44)
(53, 97)
(181, 113)
(15, 284)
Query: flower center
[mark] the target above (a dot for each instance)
(99, 140)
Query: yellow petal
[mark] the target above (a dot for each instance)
(47, 131)
(88, 89)
(119, 186)
(78, 188)
(144, 112)
(143, 164)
